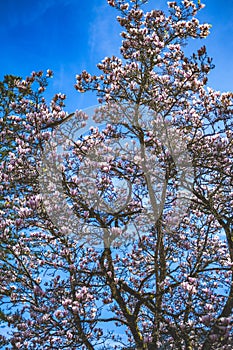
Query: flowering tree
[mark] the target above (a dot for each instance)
(88, 263)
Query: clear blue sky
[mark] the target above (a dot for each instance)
(68, 36)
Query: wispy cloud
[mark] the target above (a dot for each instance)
(24, 12)
(104, 32)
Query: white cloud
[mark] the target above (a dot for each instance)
(14, 13)
(104, 32)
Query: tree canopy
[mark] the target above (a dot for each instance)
(116, 222)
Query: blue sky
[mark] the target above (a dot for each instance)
(68, 36)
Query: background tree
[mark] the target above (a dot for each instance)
(170, 288)
(13, 91)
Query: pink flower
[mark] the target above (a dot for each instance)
(206, 319)
(116, 231)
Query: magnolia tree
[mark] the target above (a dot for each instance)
(116, 222)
